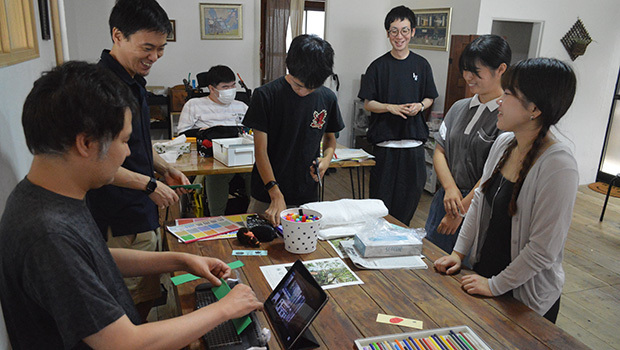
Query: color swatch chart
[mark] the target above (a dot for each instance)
(210, 227)
(453, 338)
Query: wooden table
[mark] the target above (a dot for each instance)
(435, 299)
(192, 164)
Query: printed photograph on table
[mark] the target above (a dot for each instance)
(432, 29)
(329, 273)
(335, 243)
(221, 21)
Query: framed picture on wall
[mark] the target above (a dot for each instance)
(173, 34)
(432, 29)
(221, 21)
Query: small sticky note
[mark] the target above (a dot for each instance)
(249, 252)
(220, 292)
(399, 321)
(235, 264)
(180, 279)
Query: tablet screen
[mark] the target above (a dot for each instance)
(294, 303)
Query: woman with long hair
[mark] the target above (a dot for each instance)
(466, 136)
(518, 221)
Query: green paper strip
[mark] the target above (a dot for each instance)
(188, 277)
(240, 323)
(180, 279)
(235, 264)
(221, 290)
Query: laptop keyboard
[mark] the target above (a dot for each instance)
(223, 335)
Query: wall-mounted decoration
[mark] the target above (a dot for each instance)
(172, 36)
(44, 17)
(432, 29)
(221, 21)
(576, 40)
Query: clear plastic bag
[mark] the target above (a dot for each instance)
(381, 228)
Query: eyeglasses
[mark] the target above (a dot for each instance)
(394, 31)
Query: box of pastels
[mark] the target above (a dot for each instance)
(457, 338)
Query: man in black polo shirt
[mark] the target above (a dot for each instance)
(126, 210)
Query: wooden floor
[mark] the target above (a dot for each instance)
(590, 305)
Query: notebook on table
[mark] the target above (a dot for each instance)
(290, 308)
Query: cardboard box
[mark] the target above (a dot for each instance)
(387, 246)
(234, 151)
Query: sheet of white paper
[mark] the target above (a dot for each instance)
(398, 262)
(350, 153)
(170, 156)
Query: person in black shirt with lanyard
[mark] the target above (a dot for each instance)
(396, 89)
(290, 116)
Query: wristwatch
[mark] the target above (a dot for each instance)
(422, 110)
(151, 186)
(270, 184)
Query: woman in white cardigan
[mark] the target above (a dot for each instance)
(517, 225)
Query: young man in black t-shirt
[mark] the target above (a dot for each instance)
(290, 116)
(61, 286)
(396, 89)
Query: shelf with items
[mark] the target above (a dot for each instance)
(160, 116)
(361, 119)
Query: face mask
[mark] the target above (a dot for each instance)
(227, 96)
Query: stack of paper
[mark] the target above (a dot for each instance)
(351, 154)
(399, 262)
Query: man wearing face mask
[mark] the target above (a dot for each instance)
(219, 108)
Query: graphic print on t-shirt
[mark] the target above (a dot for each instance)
(319, 119)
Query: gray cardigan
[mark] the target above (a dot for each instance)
(539, 228)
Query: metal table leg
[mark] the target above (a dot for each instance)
(611, 184)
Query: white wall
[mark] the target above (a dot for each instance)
(356, 42)
(190, 54)
(15, 84)
(87, 28)
(586, 121)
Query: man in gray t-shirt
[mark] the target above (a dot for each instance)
(61, 287)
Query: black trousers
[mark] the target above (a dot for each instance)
(398, 179)
(552, 314)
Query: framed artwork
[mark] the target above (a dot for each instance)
(432, 29)
(173, 34)
(221, 21)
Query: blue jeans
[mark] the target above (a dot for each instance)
(435, 214)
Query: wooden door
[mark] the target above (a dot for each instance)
(456, 88)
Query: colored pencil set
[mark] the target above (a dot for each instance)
(451, 341)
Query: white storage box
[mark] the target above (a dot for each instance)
(234, 151)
